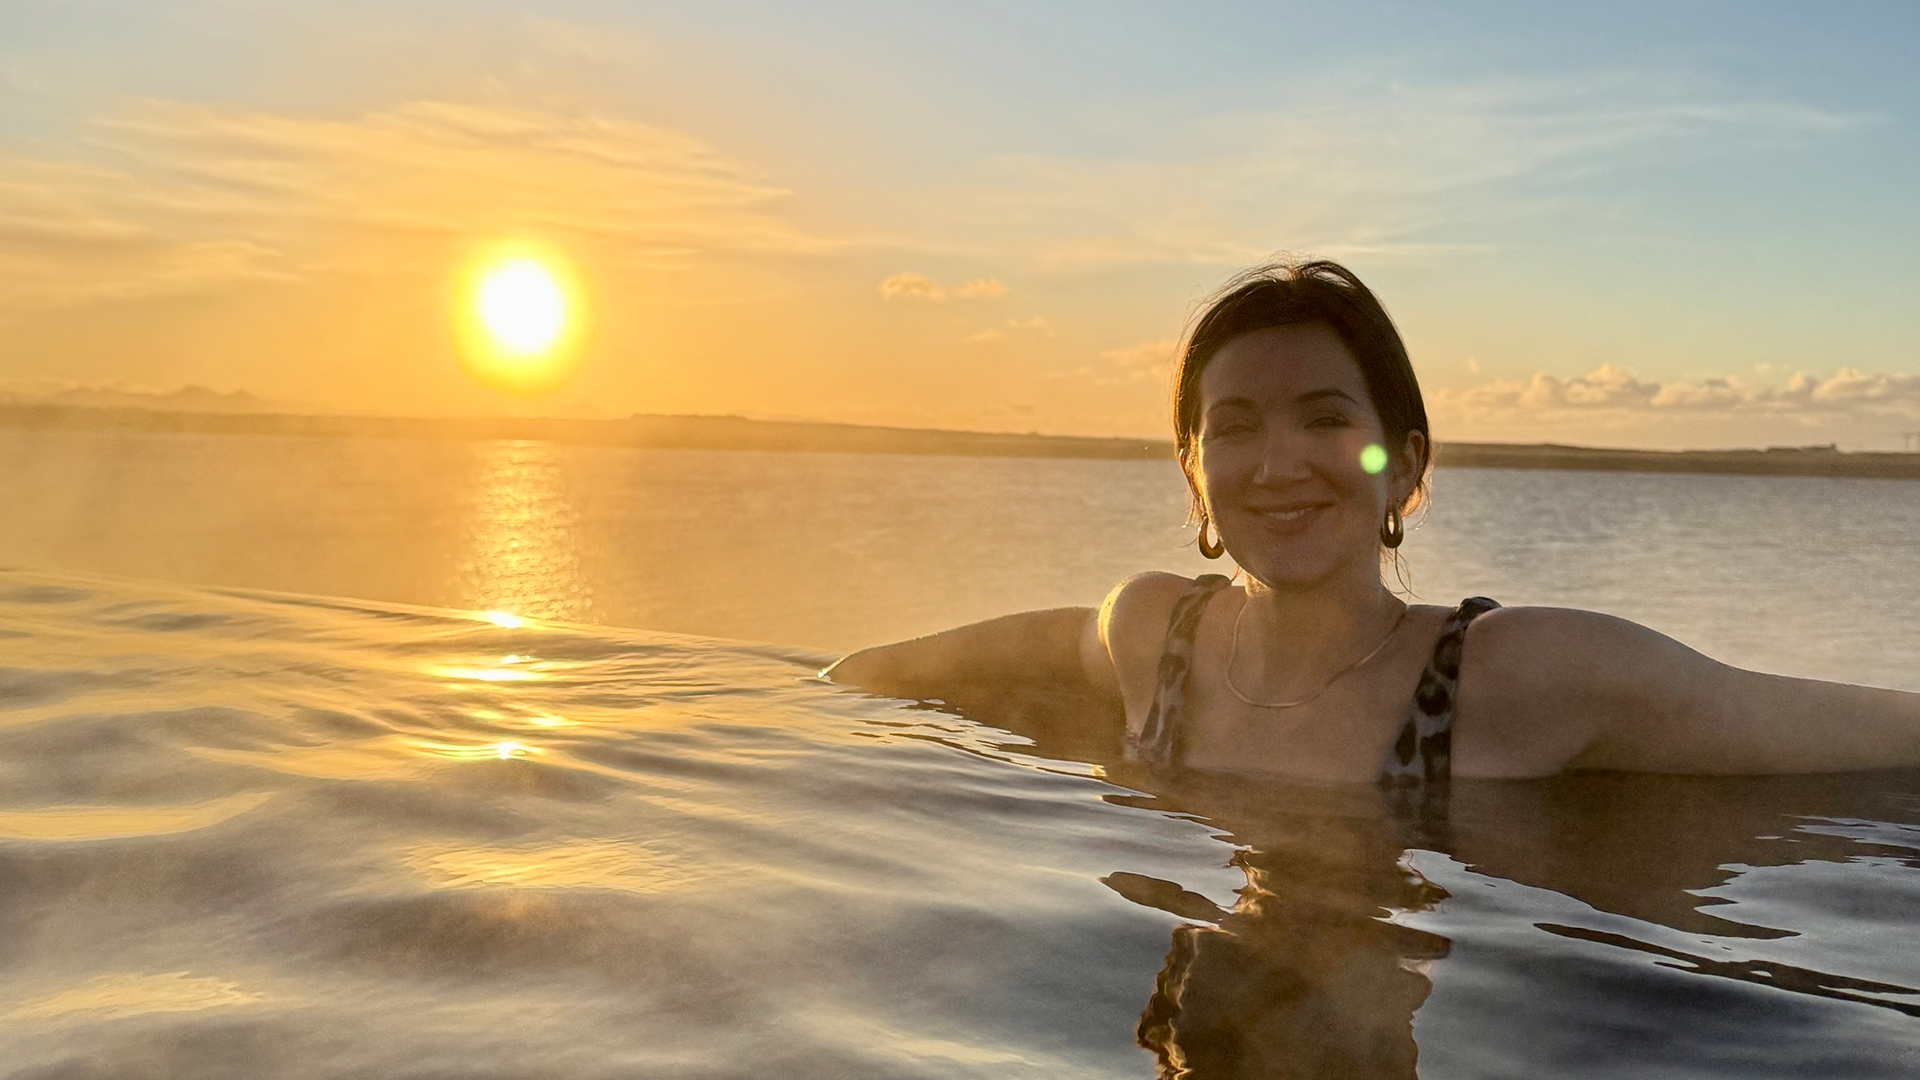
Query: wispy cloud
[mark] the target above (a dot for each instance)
(1033, 326)
(982, 288)
(1144, 361)
(912, 286)
(181, 197)
(1374, 168)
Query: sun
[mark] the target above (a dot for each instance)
(522, 307)
(519, 319)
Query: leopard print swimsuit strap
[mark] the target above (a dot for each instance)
(1419, 764)
(1158, 742)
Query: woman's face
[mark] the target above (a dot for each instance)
(1280, 459)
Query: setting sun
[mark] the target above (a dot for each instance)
(519, 315)
(522, 307)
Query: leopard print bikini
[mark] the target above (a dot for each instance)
(1418, 765)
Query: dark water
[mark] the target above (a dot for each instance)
(249, 834)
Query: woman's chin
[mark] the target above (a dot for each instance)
(1299, 567)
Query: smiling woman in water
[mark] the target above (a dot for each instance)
(1303, 437)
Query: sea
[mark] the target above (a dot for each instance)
(383, 758)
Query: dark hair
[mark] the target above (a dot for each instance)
(1292, 294)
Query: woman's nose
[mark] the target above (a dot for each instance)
(1282, 459)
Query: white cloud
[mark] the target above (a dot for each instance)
(1610, 406)
(1610, 388)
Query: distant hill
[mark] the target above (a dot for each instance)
(1773, 461)
(241, 416)
(662, 432)
(188, 399)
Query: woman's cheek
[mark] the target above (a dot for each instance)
(1217, 478)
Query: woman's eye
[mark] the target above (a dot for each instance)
(1328, 420)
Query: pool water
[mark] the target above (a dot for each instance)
(258, 835)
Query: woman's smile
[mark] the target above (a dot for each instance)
(1291, 517)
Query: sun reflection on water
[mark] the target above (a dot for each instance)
(580, 864)
(503, 750)
(499, 674)
(522, 559)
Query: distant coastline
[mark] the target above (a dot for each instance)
(639, 431)
(739, 433)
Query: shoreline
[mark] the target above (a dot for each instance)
(739, 433)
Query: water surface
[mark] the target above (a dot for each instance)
(253, 827)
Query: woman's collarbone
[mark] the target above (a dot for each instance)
(1343, 730)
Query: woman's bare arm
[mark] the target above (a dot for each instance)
(1558, 689)
(1057, 651)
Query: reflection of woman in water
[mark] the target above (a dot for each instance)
(1305, 976)
(1313, 972)
(1304, 440)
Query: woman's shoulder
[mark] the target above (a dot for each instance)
(1147, 600)
(1134, 618)
(1156, 586)
(1539, 684)
(1524, 635)
(1525, 650)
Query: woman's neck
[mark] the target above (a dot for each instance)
(1303, 631)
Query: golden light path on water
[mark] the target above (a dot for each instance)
(521, 557)
(520, 565)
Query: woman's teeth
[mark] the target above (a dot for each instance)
(1287, 515)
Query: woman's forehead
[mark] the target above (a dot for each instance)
(1282, 362)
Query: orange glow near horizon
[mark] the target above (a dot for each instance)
(520, 319)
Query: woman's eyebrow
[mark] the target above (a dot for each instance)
(1327, 392)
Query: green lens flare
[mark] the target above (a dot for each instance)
(1373, 458)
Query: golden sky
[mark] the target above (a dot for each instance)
(1654, 230)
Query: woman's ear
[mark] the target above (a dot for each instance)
(1409, 465)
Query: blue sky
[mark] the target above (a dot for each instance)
(1633, 225)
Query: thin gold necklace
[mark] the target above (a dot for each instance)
(1233, 651)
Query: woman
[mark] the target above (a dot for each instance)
(1303, 437)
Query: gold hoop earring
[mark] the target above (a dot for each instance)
(1394, 529)
(1213, 550)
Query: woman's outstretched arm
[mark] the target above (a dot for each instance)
(1597, 692)
(1056, 652)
